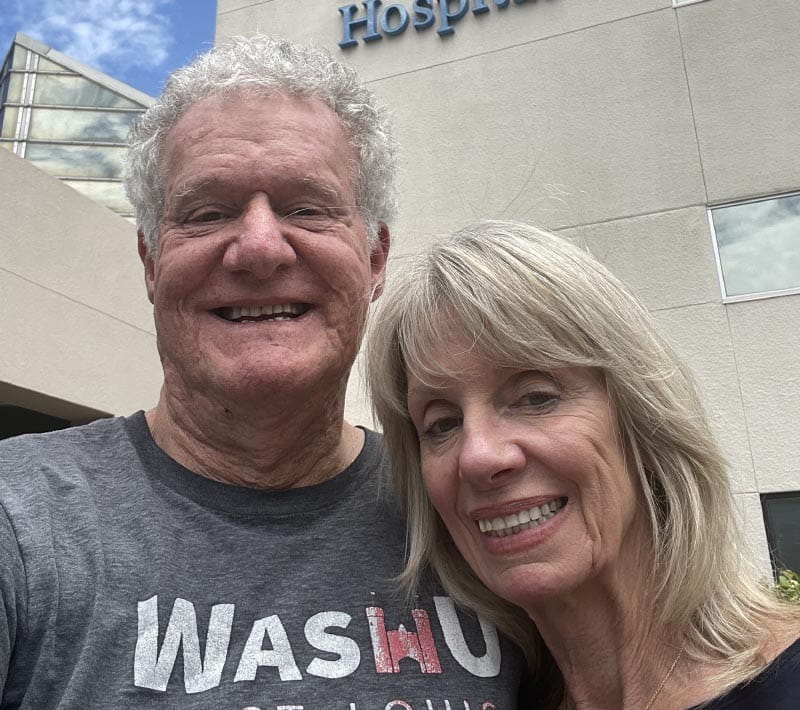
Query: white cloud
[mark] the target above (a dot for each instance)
(760, 245)
(111, 35)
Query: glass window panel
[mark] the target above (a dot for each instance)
(10, 115)
(63, 124)
(110, 194)
(759, 245)
(76, 91)
(782, 519)
(47, 65)
(78, 160)
(20, 57)
(14, 88)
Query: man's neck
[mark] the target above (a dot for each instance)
(256, 446)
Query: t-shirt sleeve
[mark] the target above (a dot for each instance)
(12, 595)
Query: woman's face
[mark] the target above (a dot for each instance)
(526, 471)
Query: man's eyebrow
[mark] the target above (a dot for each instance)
(192, 186)
(320, 188)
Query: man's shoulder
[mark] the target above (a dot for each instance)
(72, 439)
(373, 454)
(31, 459)
(372, 468)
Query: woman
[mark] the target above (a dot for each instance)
(555, 464)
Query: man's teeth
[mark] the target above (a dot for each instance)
(284, 311)
(523, 520)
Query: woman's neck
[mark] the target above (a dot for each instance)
(608, 655)
(607, 640)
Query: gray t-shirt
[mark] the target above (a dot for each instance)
(127, 581)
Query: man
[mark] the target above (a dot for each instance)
(233, 547)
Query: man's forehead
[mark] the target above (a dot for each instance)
(259, 104)
(282, 126)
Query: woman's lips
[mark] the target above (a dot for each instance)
(526, 519)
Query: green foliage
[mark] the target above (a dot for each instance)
(788, 586)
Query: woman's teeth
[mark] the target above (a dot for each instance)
(523, 520)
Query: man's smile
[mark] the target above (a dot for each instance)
(249, 314)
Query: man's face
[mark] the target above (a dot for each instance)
(263, 276)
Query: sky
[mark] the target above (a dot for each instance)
(136, 41)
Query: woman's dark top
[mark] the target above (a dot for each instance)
(777, 687)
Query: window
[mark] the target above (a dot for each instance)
(757, 244)
(782, 521)
(105, 192)
(69, 90)
(79, 125)
(78, 160)
(69, 125)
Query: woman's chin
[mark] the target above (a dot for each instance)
(537, 566)
(536, 584)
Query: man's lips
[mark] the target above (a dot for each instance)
(272, 312)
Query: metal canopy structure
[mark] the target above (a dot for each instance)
(68, 119)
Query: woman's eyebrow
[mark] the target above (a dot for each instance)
(533, 373)
(418, 390)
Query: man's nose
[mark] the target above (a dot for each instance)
(488, 455)
(260, 247)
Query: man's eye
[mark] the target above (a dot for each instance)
(206, 216)
(313, 218)
(306, 212)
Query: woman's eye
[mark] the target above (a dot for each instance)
(539, 400)
(442, 427)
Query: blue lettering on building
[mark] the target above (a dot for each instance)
(371, 20)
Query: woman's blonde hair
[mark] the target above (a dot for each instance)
(529, 299)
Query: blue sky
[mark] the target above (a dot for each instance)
(136, 41)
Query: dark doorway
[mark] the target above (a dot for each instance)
(782, 518)
(19, 420)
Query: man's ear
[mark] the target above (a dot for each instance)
(149, 265)
(379, 253)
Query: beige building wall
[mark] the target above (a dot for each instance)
(78, 337)
(616, 123)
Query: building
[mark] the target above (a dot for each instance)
(78, 336)
(662, 135)
(68, 119)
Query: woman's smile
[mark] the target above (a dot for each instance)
(526, 519)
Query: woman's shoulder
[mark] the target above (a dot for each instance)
(776, 687)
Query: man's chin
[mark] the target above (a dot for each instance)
(250, 387)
